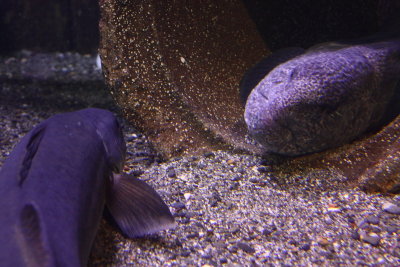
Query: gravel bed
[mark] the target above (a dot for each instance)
(231, 209)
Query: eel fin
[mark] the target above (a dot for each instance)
(257, 73)
(31, 239)
(31, 149)
(136, 207)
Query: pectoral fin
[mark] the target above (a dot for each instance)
(32, 243)
(137, 208)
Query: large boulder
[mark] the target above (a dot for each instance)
(174, 69)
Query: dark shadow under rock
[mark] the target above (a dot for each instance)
(372, 163)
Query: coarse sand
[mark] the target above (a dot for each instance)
(232, 209)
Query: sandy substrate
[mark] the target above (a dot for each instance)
(231, 209)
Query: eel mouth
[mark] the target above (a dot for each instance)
(274, 134)
(117, 168)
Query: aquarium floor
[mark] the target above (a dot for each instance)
(231, 208)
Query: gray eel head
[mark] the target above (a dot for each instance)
(313, 102)
(110, 132)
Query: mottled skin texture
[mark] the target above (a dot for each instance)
(255, 74)
(50, 210)
(324, 98)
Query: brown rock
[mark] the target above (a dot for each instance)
(175, 68)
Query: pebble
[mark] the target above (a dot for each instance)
(234, 186)
(328, 220)
(209, 154)
(233, 249)
(180, 214)
(305, 247)
(240, 170)
(391, 208)
(171, 172)
(350, 219)
(374, 229)
(245, 247)
(185, 253)
(236, 178)
(269, 230)
(372, 219)
(333, 208)
(193, 158)
(254, 180)
(220, 245)
(235, 230)
(391, 229)
(380, 261)
(185, 220)
(322, 241)
(230, 161)
(371, 238)
(201, 165)
(223, 260)
(187, 196)
(192, 235)
(327, 254)
(178, 206)
(355, 235)
(213, 202)
(362, 223)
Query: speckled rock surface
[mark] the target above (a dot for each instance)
(174, 69)
(232, 209)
